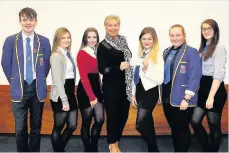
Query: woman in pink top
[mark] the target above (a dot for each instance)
(89, 92)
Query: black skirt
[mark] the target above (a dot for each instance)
(83, 99)
(146, 99)
(69, 87)
(220, 96)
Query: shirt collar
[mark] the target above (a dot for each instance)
(63, 51)
(24, 36)
(146, 51)
(89, 50)
(178, 48)
(208, 42)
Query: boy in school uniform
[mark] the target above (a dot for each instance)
(25, 62)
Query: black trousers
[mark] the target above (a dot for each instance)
(31, 104)
(178, 121)
(117, 110)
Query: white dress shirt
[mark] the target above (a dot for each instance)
(69, 74)
(24, 36)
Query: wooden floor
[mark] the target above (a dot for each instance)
(7, 121)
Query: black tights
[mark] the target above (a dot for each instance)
(145, 125)
(90, 141)
(214, 123)
(59, 140)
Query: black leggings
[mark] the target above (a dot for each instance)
(214, 123)
(59, 140)
(178, 121)
(90, 141)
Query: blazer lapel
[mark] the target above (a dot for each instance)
(166, 52)
(20, 53)
(35, 49)
(178, 58)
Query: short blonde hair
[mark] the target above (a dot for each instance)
(112, 17)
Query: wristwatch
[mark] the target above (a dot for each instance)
(187, 100)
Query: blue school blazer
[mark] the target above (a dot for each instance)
(13, 64)
(187, 72)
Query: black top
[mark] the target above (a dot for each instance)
(166, 88)
(109, 60)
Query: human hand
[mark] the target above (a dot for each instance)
(66, 107)
(183, 105)
(124, 65)
(93, 103)
(134, 102)
(209, 103)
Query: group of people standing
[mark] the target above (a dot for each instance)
(188, 83)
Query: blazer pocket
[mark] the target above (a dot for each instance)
(182, 69)
(41, 60)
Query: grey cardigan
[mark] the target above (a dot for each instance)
(58, 70)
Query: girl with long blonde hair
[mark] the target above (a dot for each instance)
(62, 96)
(148, 75)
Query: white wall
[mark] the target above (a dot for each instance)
(135, 15)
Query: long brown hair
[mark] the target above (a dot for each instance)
(214, 41)
(57, 38)
(155, 49)
(84, 39)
